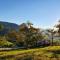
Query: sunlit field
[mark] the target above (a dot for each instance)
(47, 53)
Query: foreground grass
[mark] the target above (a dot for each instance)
(47, 53)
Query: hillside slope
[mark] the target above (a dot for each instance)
(9, 25)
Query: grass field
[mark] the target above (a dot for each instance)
(47, 53)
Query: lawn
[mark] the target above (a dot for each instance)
(47, 53)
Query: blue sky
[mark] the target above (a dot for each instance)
(42, 13)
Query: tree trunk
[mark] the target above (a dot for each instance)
(52, 39)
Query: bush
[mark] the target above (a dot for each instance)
(6, 44)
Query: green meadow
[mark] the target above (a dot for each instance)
(47, 53)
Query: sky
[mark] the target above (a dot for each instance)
(42, 13)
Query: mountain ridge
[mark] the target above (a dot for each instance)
(9, 25)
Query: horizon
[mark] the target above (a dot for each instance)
(44, 28)
(42, 13)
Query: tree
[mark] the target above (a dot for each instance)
(30, 34)
(11, 36)
(58, 26)
(29, 24)
(2, 30)
(4, 42)
(23, 30)
(35, 35)
(1, 27)
(52, 33)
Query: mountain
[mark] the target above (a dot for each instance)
(8, 26)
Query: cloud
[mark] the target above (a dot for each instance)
(52, 26)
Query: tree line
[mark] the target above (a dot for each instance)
(28, 36)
